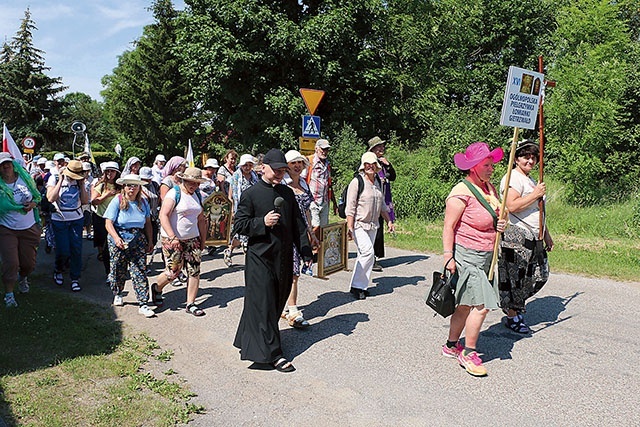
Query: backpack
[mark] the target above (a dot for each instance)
(342, 203)
(178, 193)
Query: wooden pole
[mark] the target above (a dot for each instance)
(541, 161)
(512, 158)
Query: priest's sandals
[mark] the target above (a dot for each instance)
(295, 319)
(283, 365)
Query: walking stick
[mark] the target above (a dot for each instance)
(512, 157)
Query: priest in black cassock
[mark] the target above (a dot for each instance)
(269, 214)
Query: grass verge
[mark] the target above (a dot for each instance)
(66, 362)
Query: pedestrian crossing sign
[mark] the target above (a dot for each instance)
(311, 126)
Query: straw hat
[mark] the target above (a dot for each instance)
(74, 170)
(191, 174)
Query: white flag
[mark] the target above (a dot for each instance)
(9, 146)
(190, 155)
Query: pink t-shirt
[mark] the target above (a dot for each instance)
(475, 228)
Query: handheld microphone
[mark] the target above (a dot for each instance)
(277, 203)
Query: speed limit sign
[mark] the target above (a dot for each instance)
(29, 143)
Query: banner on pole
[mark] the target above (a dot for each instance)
(522, 98)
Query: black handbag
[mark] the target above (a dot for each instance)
(441, 297)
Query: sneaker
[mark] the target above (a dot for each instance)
(57, 277)
(23, 285)
(10, 301)
(75, 286)
(227, 257)
(376, 267)
(452, 352)
(472, 363)
(146, 311)
(117, 300)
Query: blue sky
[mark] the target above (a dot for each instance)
(82, 39)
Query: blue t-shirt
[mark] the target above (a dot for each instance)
(131, 218)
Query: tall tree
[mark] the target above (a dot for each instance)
(29, 101)
(147, 98)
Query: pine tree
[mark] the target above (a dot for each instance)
(29, 102)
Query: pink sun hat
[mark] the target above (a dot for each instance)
(475, 153)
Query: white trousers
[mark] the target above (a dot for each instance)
(364, 263)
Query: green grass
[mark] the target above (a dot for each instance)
(64, 361)
(596, 241)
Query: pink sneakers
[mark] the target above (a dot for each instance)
(472, 363)
(452, 352)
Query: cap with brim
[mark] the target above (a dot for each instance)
(475, 153)
(74, 170)
(146, 172)
(322, 143)
(83, 155)
(160, 158)
(275, 159)
(131, 178)
(376, 140)
(42, 161)
(369, 157)
(295, 156)
(191, 174)
(49, 165)
(5, 157)
(58, 156)
(86, 166)
(246, 158)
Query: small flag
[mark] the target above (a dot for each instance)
(9, 146)
(190, 155)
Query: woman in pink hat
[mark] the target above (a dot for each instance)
(470, 225)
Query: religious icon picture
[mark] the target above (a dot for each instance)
(332, 255)
(217, 209)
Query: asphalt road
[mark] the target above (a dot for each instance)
(377, 362)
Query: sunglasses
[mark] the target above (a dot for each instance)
(132, 185)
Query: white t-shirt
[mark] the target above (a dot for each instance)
(184, 216)
(530, 216)
(16, 220)
(68, 203)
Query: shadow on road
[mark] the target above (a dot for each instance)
(498, 340)
(298, 341)
(406, 260)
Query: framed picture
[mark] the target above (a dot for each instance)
(217, 209)
(332, 255)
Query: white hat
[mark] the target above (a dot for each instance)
(49, 165)
(130, 178)
(246, 158)
(211, 163)
(86, 166)
(58, 156)
(160, 158)
(369, 157)
(42, 161)
(5, 157)
(294, 156)
(322, 143)
(146, 172)
(110, 165)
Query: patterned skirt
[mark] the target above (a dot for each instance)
(523, 268)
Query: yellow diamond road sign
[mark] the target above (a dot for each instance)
(312, 98)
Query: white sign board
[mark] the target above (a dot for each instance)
(522, 98)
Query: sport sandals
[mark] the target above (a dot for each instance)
(517, 325)
(75, 286)
(195, 310)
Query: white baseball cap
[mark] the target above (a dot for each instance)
(211, 163)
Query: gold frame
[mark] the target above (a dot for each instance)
(217, 206)
(333, 253)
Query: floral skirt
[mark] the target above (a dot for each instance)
(523, 268)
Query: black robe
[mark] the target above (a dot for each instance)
(268, 267)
